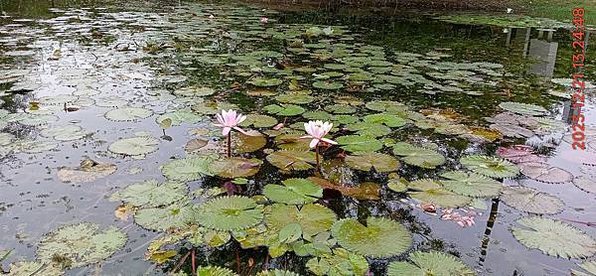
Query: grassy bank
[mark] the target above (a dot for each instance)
(557, 9)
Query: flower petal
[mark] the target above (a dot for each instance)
(314, 143)
(329, 141)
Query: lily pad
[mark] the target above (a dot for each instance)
(88, 171)
(380, 238)
(386, 106)
(586, 184)
(340, 262)
(188, 169)
(328, 85)
(418, 156)
(230, 213)
(175, 216)
(151, 193)
(471, 184)
(265, 82)
(259, 121)
(284, 109)
(214, 271)
(288, 160)
(523, 108)
(312, 218)
(544, 172)
(194, 91)
(389, 120)
(134, 146)
(431, 191)
(235, 167)
(554, 238)
(366, 161)
(430, 263)
(29, 268)
(80, 244)
(64, 133)
(294, 191)
(242, 143)
(180, 116)
(490, 166)
(531, 201)
(128, 114)
(358, 143)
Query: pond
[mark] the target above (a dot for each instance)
(450, 150)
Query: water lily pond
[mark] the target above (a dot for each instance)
(450, 150)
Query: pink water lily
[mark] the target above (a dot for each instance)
(229, 120)
(316, 130)
(264, 19)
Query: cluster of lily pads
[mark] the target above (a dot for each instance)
(301, 87)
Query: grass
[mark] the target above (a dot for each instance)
(558, 9)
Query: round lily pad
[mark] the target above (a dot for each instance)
(490, 166)
(366, 161)
(151, 193)
(192, 91)
(188, 169)
(293, 191)
(389, 120)
(418, 156)
(235, 167)
(134, 146)
(431, 191)
(554, 238)
(358, 143)
(174, 216)
(180, 116)
(80, 244)
(380, 237)
(265, 82)
(523, 108)
(586, 184)
(312, 218)
(328, 85)
(284, 110)
(531, 201)
(259, 121)
(544, 172)
(430, 263)
(287, 160)
(230, 213)
(471, 184)
(65, 133)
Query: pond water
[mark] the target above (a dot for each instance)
(98, 97)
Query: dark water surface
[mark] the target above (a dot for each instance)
(137, 54)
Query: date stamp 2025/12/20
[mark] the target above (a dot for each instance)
(578, 84)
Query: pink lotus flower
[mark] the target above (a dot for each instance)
(229, 120)
(316, 130)
(264, 19)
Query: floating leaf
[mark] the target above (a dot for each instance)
(188, 169)
(230, 213)
(490, 166)
(178, 117)
(523, 108)
(80, 244)
(366, 161)
(431, 191)
(295, 98)
(235, 167)
(259, 121)
(287, 160)
(340, 262)
(88, 171)
(194, 91)
(312, 218)
(370, 130)
(195, 145)
(544, 172)
(585, 184)
(430, 263)
(284, 110)
(398, 185)
(294, 191)
(589, 266)
(471, 184)
(277, 272)
(531, 201)
(387, 106)
(134, 146)
(265, 82)
(327, 85)
(29, 268)
(364, 191)
(151, 193)
(128, 114)
(175, 216)
(389, 120)
(243, 143)
(418, 156)
(380, 237)
(214, 271)
(554, 238)
(358, 143)
(519, 154)
(64, 133)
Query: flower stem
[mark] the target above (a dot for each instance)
(317, 155)
(194, 267)
(230, 144)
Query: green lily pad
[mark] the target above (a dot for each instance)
(340, 109)
(295, 98)
(188, 169)
(531, 200)
(430, 263)
(327, 85)
(128, 114)
(65, 133)
(235, 167)
(366, 161)
(230, 213)
(380, 238)
(358, 143)
(471, 184)
(265, 82)
(490, 166)
(431, 191)
(288, 160)
(312, 218)
(259, 121)
(523, 108)
(368, 129)
(80, 244)
(151, 193)
(284, 109)
(277, 272)
(554, 238)
(180, 116)
(194, 91)
(386, 119)
(418, 156)
(294, 191)
(28, 268)
(134, 146)
(588, 266)
(242, 143)
(175, 216)
(214, 271)
(340, 262)
(386, 106)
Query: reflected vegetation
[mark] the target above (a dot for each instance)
(446, 141)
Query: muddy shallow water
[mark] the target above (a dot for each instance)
(70, 65)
